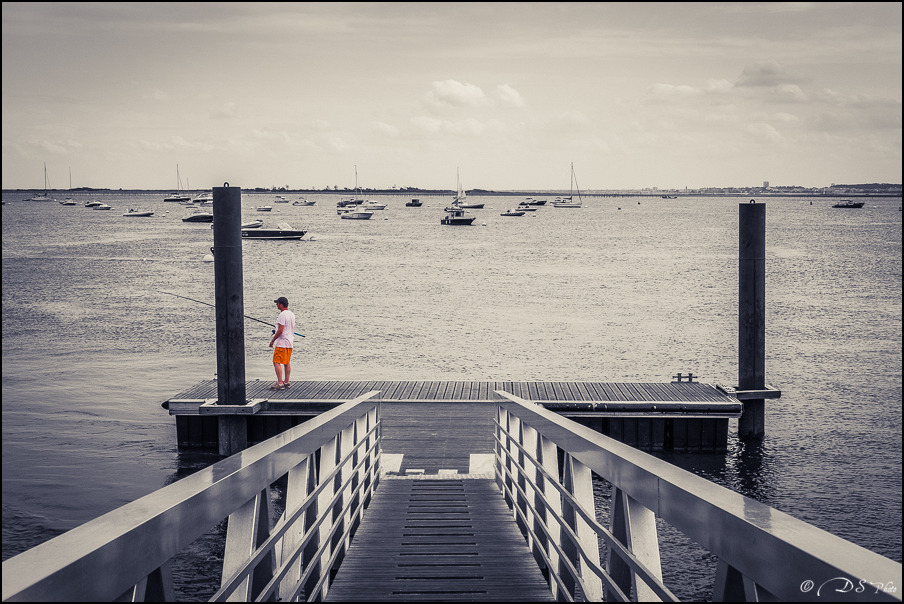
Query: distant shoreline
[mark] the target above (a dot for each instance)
(481, 192)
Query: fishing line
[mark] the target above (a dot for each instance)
(214, 306)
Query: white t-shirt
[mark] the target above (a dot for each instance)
(287, 320)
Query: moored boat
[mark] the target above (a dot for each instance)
(569, 202)
(847, 203)
(457, 217)
(138, 213)
(283, 232)
(198, 216)
(414, 203)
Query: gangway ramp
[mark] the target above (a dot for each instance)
(438, 538)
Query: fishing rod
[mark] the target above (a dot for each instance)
(214, 306)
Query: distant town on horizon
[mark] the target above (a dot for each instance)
(834, 190)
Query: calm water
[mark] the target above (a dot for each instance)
(629, 289)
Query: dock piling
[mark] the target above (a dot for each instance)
(230, 312)
(752, 315)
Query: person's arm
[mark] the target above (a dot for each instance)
(279, 330)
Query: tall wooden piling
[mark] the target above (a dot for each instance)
(230, 312)
(752, 315)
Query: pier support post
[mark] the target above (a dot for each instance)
(752, 315)
(230, 315)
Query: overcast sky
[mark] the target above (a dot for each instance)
(268, 94)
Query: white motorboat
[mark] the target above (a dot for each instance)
(103, 206)
(356, 214)
(303, 202)
(283, 232)
(264, 208)
(138, 213)
(198, 216)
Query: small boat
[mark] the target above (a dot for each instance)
(461, 198)
(93, 203)
(180, 195)
(264, 208)
(198, 216)
(303, 202)
(206, 196)
(669, 197)
(534, 202)
(350, 208)
(847, 203)
(283, 232)
(457, 216)
(280, 199)
(524, 207)
(568, 202)
(43, 196)
(370, 204)
(511, 212)
(138, 213)
(254, 224)
(414, 203)
(103, 206)
(68, 202)
(356, 214)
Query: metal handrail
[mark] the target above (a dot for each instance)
(764, 553)
(594, 565)
(286, 523)
(120, 553)
(575, 574)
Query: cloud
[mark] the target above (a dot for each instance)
(763, 132)
(765, 73)
(451, 93)
(508, 96)
(386, 129)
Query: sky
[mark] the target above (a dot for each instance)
(508, 95)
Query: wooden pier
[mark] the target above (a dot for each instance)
(679, 416)
(438, 540)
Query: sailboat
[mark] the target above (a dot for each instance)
(354, 210)
(44, 196)
(69, 201)
(461, 197)
(179, 196)
(568, 202)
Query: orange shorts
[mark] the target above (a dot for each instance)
(282, 355)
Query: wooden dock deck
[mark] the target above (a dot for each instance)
(682, 416)
(438, 540)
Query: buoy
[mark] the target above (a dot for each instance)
(207, 258)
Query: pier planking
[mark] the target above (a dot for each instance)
(680, 416)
